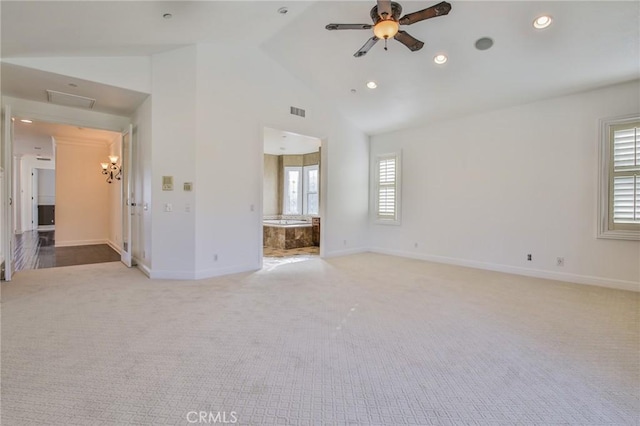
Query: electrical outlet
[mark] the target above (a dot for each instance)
(559, 261)
(215, 257)
(415, 245)
(344, 242)
(529, 257)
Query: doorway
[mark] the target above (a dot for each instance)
(65, 211)
(291, 197)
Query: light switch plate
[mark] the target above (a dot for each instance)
(167, 183)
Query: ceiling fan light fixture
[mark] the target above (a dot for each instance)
(372, 84)
(386, 29)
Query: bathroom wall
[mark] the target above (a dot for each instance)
(270, 189)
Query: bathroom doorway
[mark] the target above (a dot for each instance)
(291, 197)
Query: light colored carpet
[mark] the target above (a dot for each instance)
(365, 339)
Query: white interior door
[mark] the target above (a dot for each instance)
(127, 195)
(7, 199)
(35, 218)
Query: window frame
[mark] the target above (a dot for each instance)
(376, 188)
(606, 228)
(305, 189)
(285, 195)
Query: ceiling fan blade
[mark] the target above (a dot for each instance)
(430, 12)
(368, 45)
(384, 8)
(412, 43)
(349, 26)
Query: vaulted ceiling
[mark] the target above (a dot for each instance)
(589, 44)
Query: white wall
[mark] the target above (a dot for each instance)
(46, 187)
(173, 112)
(486, 190)
(237, 96)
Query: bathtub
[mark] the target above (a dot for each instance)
(287, 233)
(285, 222)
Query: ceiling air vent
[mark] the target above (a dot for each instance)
(297, 111)
(43, 159)
(67, 99)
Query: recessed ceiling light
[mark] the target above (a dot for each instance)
(484, 43)
(440, 59)
(167, 16)
(26, 121)
(353, 90)
(372, 85)
(283, 10)
(37, 147)
(542, 22)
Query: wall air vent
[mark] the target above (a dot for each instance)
(67, 99)
(43, 159)
(297, 111)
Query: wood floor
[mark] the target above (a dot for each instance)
(36, 250)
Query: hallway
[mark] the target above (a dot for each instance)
(36, 250)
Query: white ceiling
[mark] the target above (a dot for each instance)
(279, 142)
(35, 138)
(590, 44)
(28, 83)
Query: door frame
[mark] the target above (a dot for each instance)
(8, 213)
(39, 111)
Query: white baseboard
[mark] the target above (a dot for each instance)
(211, 273)
(196, 275)
(79, 243)
(114, 246)
(145, 269)
(346, 252)
(155, 274)
(537, 273)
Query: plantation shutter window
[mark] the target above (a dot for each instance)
(619, 184)
(387, 190)
(625, 174)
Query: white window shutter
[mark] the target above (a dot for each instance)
(387, 188)
(626, 176)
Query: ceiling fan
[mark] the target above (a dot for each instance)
(386, 22)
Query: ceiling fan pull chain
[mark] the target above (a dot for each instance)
(385, 43)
